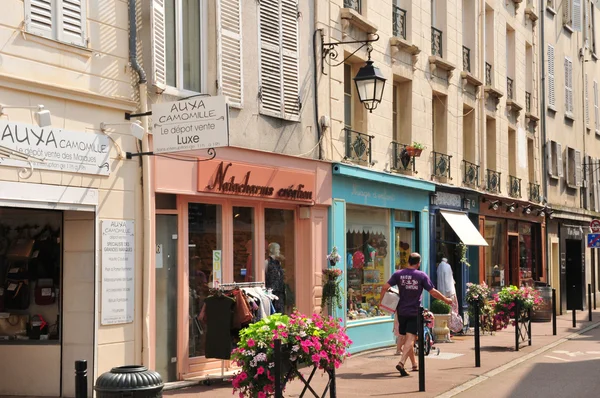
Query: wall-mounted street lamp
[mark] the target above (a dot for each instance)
(369, 80)
(527, 209)
(494, 205)
(42, 116)
(510, 207)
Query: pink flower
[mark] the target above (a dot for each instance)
(262, 394)
(251, 343)
(316, 358)
(243, 376)
(260, 370)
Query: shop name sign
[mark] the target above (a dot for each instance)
(191, 124)
(58, 150)
(256, 181)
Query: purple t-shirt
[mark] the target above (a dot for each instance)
(411, 283)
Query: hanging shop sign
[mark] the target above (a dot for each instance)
(187, 125)
(256, 181)
(56, 149)
(117, 272)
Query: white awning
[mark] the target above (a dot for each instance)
(464, 228)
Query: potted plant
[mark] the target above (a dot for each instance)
(506, 302)
(441, 313)
(415, 149)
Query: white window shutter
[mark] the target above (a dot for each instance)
(596, 109)
(559, 160)
(290, 45)
(577, 171)
(568, 85)
(550, 165)
(576, 16)
(596, 178)
(271, 79)
(72, 21)
(229, 51)
(551, 94)
(158, 42)
(40, 17)
(567, 6)
(587, 107)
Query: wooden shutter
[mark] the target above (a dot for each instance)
(559, 160)
(577, 171)
(72, 21)
(568, 85)
(586, 105)
(551, 94)
(567, 6)
(229, 51)
(290, 72)
(576, 16)
(596, 109)
(158, 43)
(271, 101)
(39, 18)
(550, 165)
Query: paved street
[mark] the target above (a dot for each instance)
(372, 374)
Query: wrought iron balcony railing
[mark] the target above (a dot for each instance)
(514, 186)
(436, 42)
(358, 147)
(509, 88)
(527, 102)
(534, 192)
(466, 59)
(441, 165)
(354, 4)
(493, 180)
(488, 74)
(471, 173)
(402, 160)
(399, 20)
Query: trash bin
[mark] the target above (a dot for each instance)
(131, 381)
(543, 313)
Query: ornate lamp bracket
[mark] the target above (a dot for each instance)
(329, 51)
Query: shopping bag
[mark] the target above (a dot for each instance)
(456, 322)
(390, 301)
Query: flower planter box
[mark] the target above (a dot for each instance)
(412, 151)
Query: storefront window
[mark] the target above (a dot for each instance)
(244, 269)
(280, 267)
(495, 253)
(368, 259)
(205, 234)
(404, 246)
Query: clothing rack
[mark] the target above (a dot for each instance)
(221, 286)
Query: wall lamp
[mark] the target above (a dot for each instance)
(42, 116)
(527, 209)
(135, 128)
(549, 213)
(541, 213)
(369, 80)
(493, 205)
(510, 207)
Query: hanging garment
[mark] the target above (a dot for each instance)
(242, 315)
(218, 311)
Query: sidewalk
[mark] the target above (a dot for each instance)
(373, 373)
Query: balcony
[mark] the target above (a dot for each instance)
(493, 181)
(402, 160)
(489, 89)
(358, 147)
(441, 165)
(511, 104)
(470, 173)
(436, 60)
(466, 75)
(399, 40)
(353, 4)
(534, 192)
(529, 116)
(399, 21)
(514, 186)
(351, 15)
(530, 12)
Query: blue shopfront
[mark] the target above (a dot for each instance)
(376, 220)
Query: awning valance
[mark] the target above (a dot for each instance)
(464, 228)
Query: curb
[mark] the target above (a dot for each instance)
(479, 379)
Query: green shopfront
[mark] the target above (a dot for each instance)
(377, 220)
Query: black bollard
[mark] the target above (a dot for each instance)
(277, 352)
(529, 325)
(553, 312)
(332, 387)
(589, 302)
(81, 384)
(517, 313)
(574, 312)
(477, 346)
(421, 337)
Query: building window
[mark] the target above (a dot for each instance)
(573, 167)
(495, 258)
(593, 27)
(348, 96)
(551, 93)
(596, 110)
(244, 267)
(368, 258)
(555, 161)
(62, 20)
(569, 88)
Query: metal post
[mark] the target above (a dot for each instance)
(477, 342)
(332, 387)
(589, 302)
(421, 350)
(553, 312)
(81, 384)
(529, 325)
(277, 352)
(517, 311)
(574, 312)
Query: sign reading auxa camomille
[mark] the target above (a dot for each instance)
(242, 179)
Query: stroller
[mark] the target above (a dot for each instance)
(429, 342)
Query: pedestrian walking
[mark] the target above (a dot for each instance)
(410, 282)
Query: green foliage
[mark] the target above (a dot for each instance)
(439, 307)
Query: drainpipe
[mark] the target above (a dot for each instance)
(543, 127)
(146, 192)
(316, 88)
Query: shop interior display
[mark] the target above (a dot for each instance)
(30, 274)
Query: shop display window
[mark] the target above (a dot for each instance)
(403, 246)
(495, 262)
(280, 267)
(205, 259)
(244, 269)
(30, 274)
(368, 259)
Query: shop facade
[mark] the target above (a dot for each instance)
(376, 221)
(217, 222)
(454, 220)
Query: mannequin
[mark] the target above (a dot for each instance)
(274, 276)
